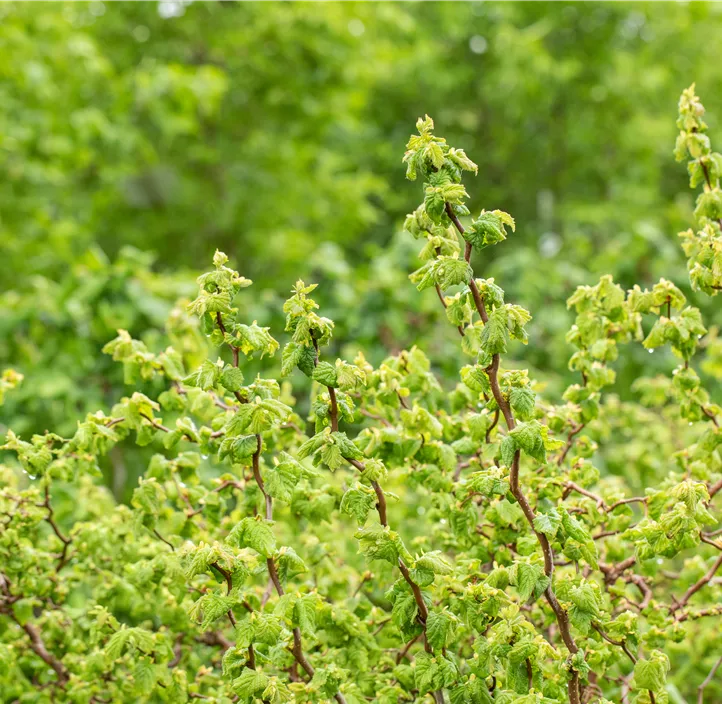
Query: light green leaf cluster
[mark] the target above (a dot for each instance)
(703, 247)
(369, 532)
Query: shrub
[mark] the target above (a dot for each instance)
(393, 539)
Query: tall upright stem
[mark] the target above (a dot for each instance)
(573, 688)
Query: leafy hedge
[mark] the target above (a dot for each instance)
(403, 541)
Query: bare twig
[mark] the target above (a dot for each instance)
(707, 680)
(50, 518)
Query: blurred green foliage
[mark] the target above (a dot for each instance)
(270, 130)
(136, 138)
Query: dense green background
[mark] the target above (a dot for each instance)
(274, 132)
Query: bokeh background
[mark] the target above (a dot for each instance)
(136, 138)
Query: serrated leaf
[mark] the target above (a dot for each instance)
(252, 533)
(522, 402)
(494, 333)
(435, 562)
(529, 437)
(548, 522)
(232, 378)
(325, 373)
(651, 673)
(358, 501)
(250, 682)
(440, 628)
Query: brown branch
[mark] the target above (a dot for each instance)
(707, 680)
(376, 417)
(492, 426)
(710, 415)
(619, 643)
(380, 496)
(381, 508)
(418, 597)
(297, 649)
(177, 651)
(571, 486)
(215, 638)
(229, 585)
(715, 488)
(605, 534)
(259, 479)
(632, 500)
(222, 328)
(698, 585)
(403, 652)
(402, 401)
(161, 538)
(611, 572)
(423, 611)
(226, 483)
(529, 674)
(694, 615)
(333, 411)
(50, 518)
(570, 441)
(706, 539)
(440, 294)
(380, 627)
(493, 374)
(37, 645)
(156, 424)
(643, 587)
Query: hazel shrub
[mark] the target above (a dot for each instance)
(396, 537)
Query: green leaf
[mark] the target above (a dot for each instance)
(450, 271)
(488, 229)
(206, 376)
(253, 533)
(245, 632)
(149, 496)
(250, 683)
(232, 378)
(476, 378)
(325, 373)
(267, 628)
(440, 628)
(289, 564)
(238, 448)
(144, 676)
(379, 543)
(347, 447)
(283, 478)
(548, 522)
(214, 606)
(304, 614)
(494, 335)
(435, 562)
(529, 437)
(358, 501)
(425, 672)
(115, 646)
(651, 673)
(527, 577)
(297, 355)
(235, 659)
(508, 450)
(522, 402)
